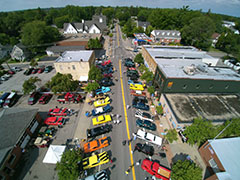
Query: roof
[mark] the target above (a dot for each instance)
(227, 151)
(143, 23)
(215, 35)
(13, 123)
(54, 154)
(78, 25)
(61, 49)
(166, 33)
(142, 37)
(75, 56)
(213, 107)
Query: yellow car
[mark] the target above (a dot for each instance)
(101, 119)
(95, 160)
(102, 102)
(137, 87)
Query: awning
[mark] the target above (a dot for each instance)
(54, 154)
(83, 78)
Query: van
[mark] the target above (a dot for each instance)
(3, 98)
(11, 99)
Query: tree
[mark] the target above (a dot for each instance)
(33, 62)
(147, 76)
(4, 39)
(182, 170)
(59, 21)
(38, 35)
(200, 131)
(29, 85)
(139, 59)
(111, 35)
(95, 74)
(198, 33)
(151, 89)
(128, 28)
(94, 43)
(68, 167)
(142, 68)
(172, 135)
(159, 110)
(92, 87)
(62, 83)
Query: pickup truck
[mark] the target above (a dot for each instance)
(137, 93)
(151, 138)
(101, 110)
(69, 97)
(143, 115)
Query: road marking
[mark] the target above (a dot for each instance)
(126, 119)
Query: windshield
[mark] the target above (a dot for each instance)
(7, 101)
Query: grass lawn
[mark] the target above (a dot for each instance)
(212, 49)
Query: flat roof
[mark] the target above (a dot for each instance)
(81, 36)
(227, 151)
(213, 107)
(75, 56)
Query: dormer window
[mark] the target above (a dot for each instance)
(173, 34)
(163, 33)
(168, 33)
(178, 34)
(100, 19)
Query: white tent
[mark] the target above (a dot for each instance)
(54, 154)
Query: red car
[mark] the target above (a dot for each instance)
(44, 98)
(156, 169)
(34, 71)
(58, 112)
(106, 63)
(107, 75)
(40, 70)
(11, 72)
(55, 121)
(131, 69)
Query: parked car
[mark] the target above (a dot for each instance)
(40, 70)
(95, 160)
(140, 103)
(140, 99)
(101, 119)
(11, 99)
(132, 73)
(101, 175)
(135, 82)
(48, 69)
(3, 98)
(4, 78)
(55, 121)
(182, 135)
(138, 93)
(35, 70)
(149, 137)
(58, 112)
(98, 130)
(44, 99)
(134, 77)
(69, 97)
(156, 169)
(42, 142)
(47, 131)
(28, 71)
(137, 87)
(106, 82)
(96, 144)
(146, 124)
(102, 102)
(101, 110)
(33, 98)
(143, 115)
(107, 74)
(16, 69)
(11, 72)
(102, 90)
(144, 148)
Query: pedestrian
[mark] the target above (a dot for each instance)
(114, 121)
(138, 162)
(118, 116)
(117, 121)
(85, 172)
(111, 161)
(124, 143)
(128, 106)
(134, 136)
(126, 172)
(153, 178)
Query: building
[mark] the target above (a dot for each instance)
(17, 126)
(152, 53)
(230, 25)
(58, 50)
(19, 52)
(97, 25)
(222, 158)
(143, 24)
(166, 36)
(76, 63)
(215, 38)
(181, 109)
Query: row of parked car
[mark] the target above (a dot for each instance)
(10, 73)
(8, 99)
(145, 121)
(38, 70)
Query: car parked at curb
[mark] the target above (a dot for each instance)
(98, 130)
(144, 148)
(101, 119)
(101, 175)
(146, 124)
(143, 115)
(149, 137)
(101, 110)
(44, 99)
(96, 144)
(95, 160)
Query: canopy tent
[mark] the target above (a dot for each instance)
(83, 78)
(54, 154)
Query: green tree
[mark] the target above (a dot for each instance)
(38, 35)
(68, 167)
(94, 44)
(159, 110)
(111, 35)
(200, 131)
(33, 63)
(59, 21)
(62, 83)
(151, 89)
(142, 68)
(172, 135)
(29, 85)
(128, 28)
(139, 59)
(147, 76)
(4, 39)
(92, 87)
(95, 74)
(182, 170)
(198, 33)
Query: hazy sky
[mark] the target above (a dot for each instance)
(229, 7)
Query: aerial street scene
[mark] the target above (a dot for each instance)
(119, 90)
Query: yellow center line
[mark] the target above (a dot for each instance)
(125, 113)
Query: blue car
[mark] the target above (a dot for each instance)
(103, 90)
(101, 110)
(140, 105)
(146, 124)
(134, 82)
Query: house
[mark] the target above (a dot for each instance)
(222, 158)
(58, 50)
(5, 50)
(143, 24)
(17, 126)
(215, 37)
(230, 25)
(166, 36)
(19, 52)
(97, 25)
(76, 63)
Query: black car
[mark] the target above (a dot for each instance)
(132, 73)
(144, 148)
(134, 77)
(28, 71)
(146, 124)
(140, 99)
(127, 60)
(98, 130)
(106, 82)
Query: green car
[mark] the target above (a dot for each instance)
(46, 131)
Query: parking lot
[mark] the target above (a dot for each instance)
(16, 81)
(31, 166)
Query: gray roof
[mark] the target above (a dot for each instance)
(227, 151)
(166, 34)
(13, 123)
(143, 24)
(65, 25)
(78, 25)
(61, 49)
(75, 56)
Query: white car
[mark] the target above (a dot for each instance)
(102, 175)
(151, 138)
(143, 115)
(16, 69)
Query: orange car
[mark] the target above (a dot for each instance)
(96, 144)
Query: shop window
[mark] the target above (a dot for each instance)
(197, 86)
(184, 86)
(214, 165)
(11, 159)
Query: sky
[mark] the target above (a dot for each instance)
(228, 7)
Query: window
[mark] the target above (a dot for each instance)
(227, 86)
(60, 66)
(214, 165)
(73, 66)
(11, 159)
(69, 68)
(184, 86)
(211, 86)
(197, 86)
